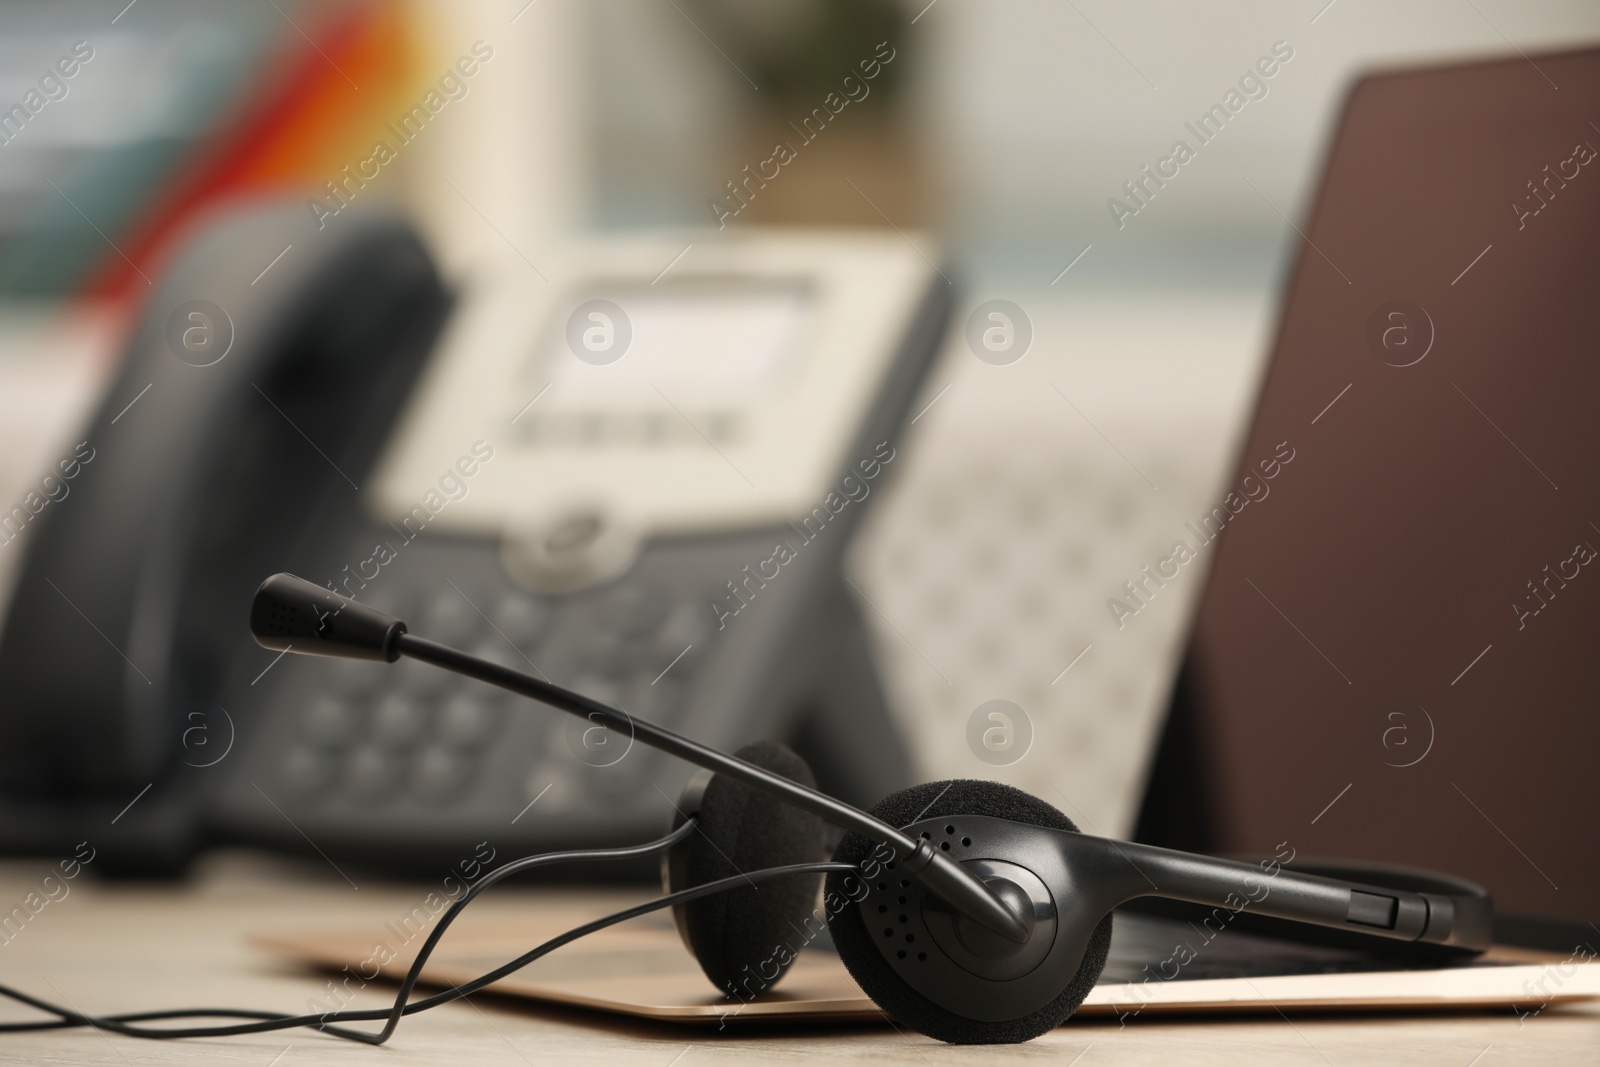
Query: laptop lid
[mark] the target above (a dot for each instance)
(1395, 657)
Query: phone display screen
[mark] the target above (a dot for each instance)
(658, 364)
(681, 388)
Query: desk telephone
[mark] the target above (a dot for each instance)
(634, 481)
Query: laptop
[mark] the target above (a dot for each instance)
(1394, 657)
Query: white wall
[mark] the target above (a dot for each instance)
(1035, 119)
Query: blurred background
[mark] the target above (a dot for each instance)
(992, 141)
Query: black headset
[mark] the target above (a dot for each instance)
(968, 910)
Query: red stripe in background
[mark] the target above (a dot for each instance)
(303, 111)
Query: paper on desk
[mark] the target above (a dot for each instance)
(645, 973)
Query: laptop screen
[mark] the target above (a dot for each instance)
(1397, 656)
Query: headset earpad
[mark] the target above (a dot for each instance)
(873, 973)
(745, 939)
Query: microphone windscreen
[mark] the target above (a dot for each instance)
(888, 990)
(745, 939)
(292, 614)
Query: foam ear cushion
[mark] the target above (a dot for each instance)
(886, 988)
(745, 939)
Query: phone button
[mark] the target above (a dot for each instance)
(440, 774)
(330, 721)
(579, 547)
(520, 618)
(398, 721)
(452, 620)
(499, 652)
(468, 720)
(371, 774)
(689, 623)
(632, 611)
(306, 770)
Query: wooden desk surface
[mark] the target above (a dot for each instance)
(106, 949)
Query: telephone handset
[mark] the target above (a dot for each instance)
(245, 401)
(640, 483)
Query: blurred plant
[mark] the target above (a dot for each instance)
(796, 50)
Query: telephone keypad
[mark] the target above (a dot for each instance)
(412, 731)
